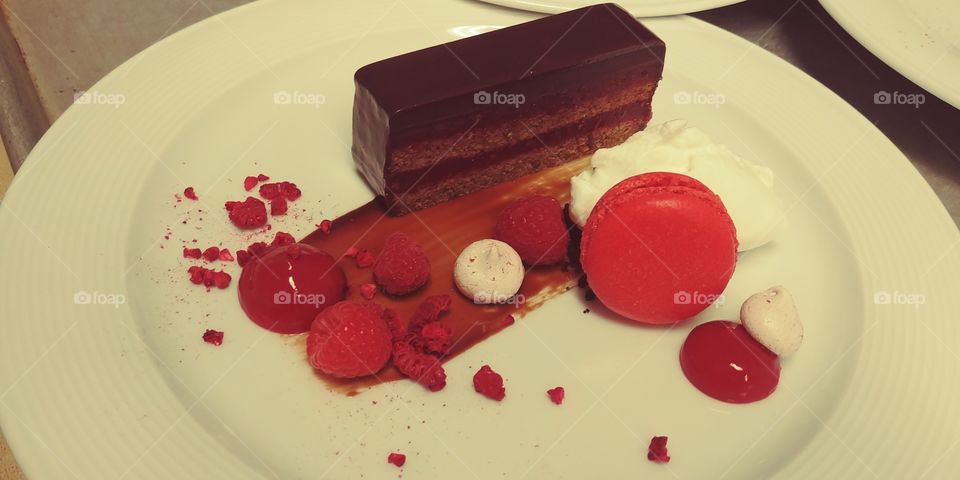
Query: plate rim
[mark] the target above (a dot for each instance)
(891, 53)
(662, 10)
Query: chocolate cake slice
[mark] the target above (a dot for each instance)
(449, 120)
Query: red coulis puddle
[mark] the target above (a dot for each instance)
(723, 361)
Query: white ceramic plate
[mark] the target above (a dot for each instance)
(129, 391)
(918, 38)
(639, 8)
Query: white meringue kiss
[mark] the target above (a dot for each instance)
(489, 271)
(771, 318)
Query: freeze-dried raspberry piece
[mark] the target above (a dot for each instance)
(364, 259)
(402, 266)
(248, 214)
(657, 452)
(397, 459)
(213, 337)
(210, 278)
(225, 255)
(278, 206)
(556, 395)
(351, 252)
(282, 238)
(435, 338)
(191, 253)
(262, 178)
(325, 226)
(243, 257)
(489, 383)
(398, 329)
(259, 248)
(287, 190)
(211, 254)
(422, 368)
(429, 311)
(249, 183)
(189, 193)
(368, 290)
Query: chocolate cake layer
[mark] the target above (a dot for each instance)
(448, 120)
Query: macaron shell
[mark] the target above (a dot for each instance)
(658, 248)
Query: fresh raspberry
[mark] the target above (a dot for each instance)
(248, 214)
(325, 226)
(211, 254)
(368, 291)
(278, 206)
(397, 459)
(534, 227)
(213, 337)
(422, 368)
(191, 253)
(189, 193)
(249, 183)
(489, 383)
(657, 452)
(364, 259)
(435, 338)
(349, 339)
(402, 266)
(225, 255)
(556, 395)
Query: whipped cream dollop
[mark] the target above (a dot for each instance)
(489, 271)
(745, 189)
(771, 318)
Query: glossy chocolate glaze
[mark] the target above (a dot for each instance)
(444, 230)
(430, 92)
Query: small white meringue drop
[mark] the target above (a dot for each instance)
(489, 271)
(771, 318)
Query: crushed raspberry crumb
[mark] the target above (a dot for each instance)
(489, 383)
(278, 206)
(189, 193)
(287, 190)
(248, 214)
(209, 278)
(435, 338)
(351, 252)
(397, 459)
(368, 291)
(282, 238)
(657, 452)
(262, 178)
(258, 248)
(191, 253)
(556, 395)
(225, 255)
(211, 254)
(325, 226)
(422, 368)
(365, 259)
(213, 337)
(243, 257)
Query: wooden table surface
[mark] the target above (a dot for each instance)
(52, 49)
